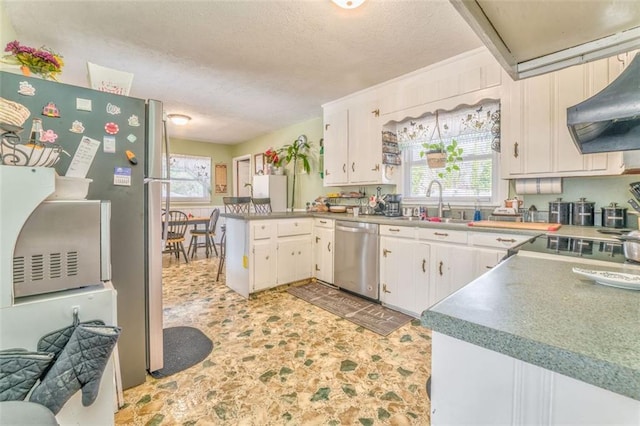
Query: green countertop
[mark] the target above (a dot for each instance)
(538, 311)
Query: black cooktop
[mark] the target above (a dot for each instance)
(609, 251)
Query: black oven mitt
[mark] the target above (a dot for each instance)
(79, 366)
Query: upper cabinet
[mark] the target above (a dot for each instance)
(353, 143)
(535, 138)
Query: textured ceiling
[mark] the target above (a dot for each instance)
(243, 68)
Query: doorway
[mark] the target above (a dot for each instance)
(242, 176)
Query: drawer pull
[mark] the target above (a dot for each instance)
(394, 230)
(441, 234)
(489, 267)
(262, 227)
(424, 264)
(504, 240)
(323, 221)
(385, 252)
(267, 257)
(440, 267)
(293, 253)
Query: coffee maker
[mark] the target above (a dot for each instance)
(392, 205)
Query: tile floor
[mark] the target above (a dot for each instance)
(278, 360)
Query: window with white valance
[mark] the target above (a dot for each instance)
(476, 129)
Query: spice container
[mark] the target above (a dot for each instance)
(583, 212)
(560, 212)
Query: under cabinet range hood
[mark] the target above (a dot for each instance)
(610, 120)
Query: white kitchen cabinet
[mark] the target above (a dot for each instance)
(404, 274)
(353, 142)
(452, 268)
(323, 240)
(535, 138)
(336, 146)
(294, 259)
(490, 248)
(265, 272)
(474, 385)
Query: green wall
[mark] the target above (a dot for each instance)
(308, 186)
(601, 189)
(217, 153)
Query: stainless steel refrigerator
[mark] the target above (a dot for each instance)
(133, 186)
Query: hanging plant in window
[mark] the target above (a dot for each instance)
(441, 156)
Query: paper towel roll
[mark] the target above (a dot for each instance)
(539, 186)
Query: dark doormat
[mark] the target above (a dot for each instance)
(369, 315)
(184, 347)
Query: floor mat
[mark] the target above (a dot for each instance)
(369, 315)
(184, 347)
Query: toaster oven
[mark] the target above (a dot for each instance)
(63, 245)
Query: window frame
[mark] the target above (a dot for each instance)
(205, 179)
(498, 187)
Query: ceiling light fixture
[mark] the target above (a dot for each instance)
(179, 119)
(348, 4)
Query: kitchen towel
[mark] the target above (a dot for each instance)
(539, 186)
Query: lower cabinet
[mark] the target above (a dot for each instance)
(323, 249)
(453, 267)
(280, 253)
(474, 385)
(294, 259)
(265, 272)
(404, 274)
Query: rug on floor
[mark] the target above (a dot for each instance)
(369, 315)
(184, 347)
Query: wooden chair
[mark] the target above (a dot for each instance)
(261, 205)
(177, 227)
(209, 233)
(237, 205)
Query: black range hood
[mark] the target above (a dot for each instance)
(610, 120)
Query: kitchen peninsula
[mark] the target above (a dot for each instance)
(531, 342)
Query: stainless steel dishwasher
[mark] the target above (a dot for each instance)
(356, 258)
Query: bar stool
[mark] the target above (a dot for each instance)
(237, 205)
(261, 205)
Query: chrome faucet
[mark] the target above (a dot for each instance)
(440, 204)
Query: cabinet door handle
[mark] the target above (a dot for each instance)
(515, 150)
(489, 267)
(441, 234)
(317, 240)
(505, 240)
(424, 265)
(440, 267)
(353, 166)
(293, 253)
(317, 269)
(329, 246)
(376, 112)
(326, 126)
(326, 172)
(299, 253)
(385, 252)
(384, 289)
(344, 168)
(376, 168)
(267, 257)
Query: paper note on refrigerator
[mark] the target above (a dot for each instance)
(83, 157)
